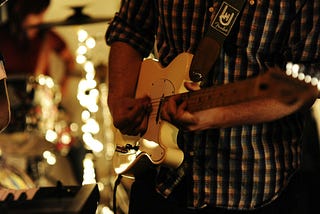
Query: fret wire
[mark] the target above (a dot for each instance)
(213, 97)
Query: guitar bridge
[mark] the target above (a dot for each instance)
(126, 148)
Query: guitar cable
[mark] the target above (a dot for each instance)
(116, 184)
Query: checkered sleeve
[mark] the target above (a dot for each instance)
(135, 25)
(305, 38)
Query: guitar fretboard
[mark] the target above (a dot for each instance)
(273, 83)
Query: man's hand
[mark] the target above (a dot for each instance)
(130, 115)
(174, 110)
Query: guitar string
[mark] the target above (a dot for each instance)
(291, 70)
(155, 102)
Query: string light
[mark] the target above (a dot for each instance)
(299, 71)
(88, 94)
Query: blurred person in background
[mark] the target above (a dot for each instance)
(26, 46)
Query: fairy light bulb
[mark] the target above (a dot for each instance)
(298, 71)
(82, 35)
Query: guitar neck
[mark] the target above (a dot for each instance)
(221, 95)
(273, 83)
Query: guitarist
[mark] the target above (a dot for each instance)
(242, 158)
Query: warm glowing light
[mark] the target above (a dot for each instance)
(82, 50)
(93, 108)
(89, 67)
(88, 170)
(74, 127)
(66, 138)
(301, 76)
(82, 35)
(91, 126)
(51, 135)
(80, 59)
(52, 160)
(92, 143)
(46, 154)
(91, 42)
(87, 163)
(41, 79)
(49, 82)
(90, 76)
(106, 210)
(49, 157)
(94, 93)
(85, 115)
(314, 81)
(150, 144)
(307, 79)
(84, 85)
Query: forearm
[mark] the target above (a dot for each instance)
(124, 66)
(129, 114)
(262, 110)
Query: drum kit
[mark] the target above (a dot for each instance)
(34, 107)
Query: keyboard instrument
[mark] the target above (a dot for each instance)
(58, 199)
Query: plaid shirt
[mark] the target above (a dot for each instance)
(242, 167)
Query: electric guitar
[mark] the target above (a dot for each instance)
(158, 146)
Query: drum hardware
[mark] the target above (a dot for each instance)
(34, 110)
(34, 104)
(77, 18)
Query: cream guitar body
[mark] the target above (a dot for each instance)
(158, 145)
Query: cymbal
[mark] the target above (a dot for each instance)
(77, 18)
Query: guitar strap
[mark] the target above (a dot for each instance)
(209, 48)
(203, 60)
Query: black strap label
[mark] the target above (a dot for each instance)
(225, 18)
